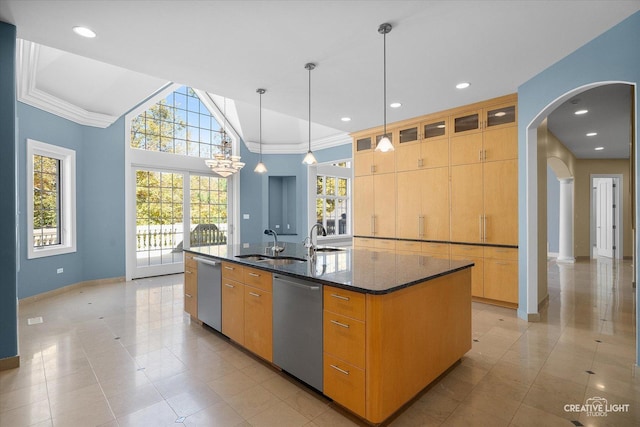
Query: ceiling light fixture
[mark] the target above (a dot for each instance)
(592, 133)
(309, 159)
(260, 167)
(395, 105)
(385, 143)
(500, 114)
(599, 148)
(225, 163)
(84, 32)
(346, 119)
(463, 85)
(581, 112)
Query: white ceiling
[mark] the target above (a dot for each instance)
(231, 48)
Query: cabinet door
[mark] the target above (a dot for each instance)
(434, 154)
(233, 310)
(363, 163)
(466, 203)
(434, 221)
(500, 115)
(410, 186)
(466, 122)
(363, 205)
(408, 156)
(258, 322)
(501, 202)
(466, 149)
(384, 205)
(475, 254)
(501, 280)
(500, 144)
(190, 286)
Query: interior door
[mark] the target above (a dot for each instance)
(604, 217)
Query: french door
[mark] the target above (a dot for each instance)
(175, 210)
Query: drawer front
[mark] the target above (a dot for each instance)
(362, 242)
(435, 249)
(501, 253)
(467, 250)
(258, 278)
(189, 262)
(232, 271)
(344, 383)
(385, 245)
(258, 321)
(414, 247)
(344, 338)
(343, 302)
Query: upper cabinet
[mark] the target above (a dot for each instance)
(485, 134)
(367, 161)
(423, 144)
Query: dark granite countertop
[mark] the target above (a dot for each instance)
(359, 270)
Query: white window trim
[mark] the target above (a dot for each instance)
(326, 168)
(67, 159)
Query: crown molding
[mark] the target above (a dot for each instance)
(28, 93)
(301, 147)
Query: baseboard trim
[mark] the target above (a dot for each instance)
(494, 302)
(71, 287)
(9, 363)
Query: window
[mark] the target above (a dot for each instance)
(178, 124)
(51, 199)
(332, 198)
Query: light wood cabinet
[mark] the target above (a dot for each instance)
(467, 203)
(501, 202)
(475, 254)
(383, 220)
(367, 161)
(423, 144)
(363, 205)
(501, 274)
(247, 308)
(190, 285)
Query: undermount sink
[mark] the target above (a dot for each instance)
(328, 249)
(281, 260)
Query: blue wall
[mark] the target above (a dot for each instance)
(99, 202)
(8, 265)
(553, 211)
(255, 190)
(613, 56)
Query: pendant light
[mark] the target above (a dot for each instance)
(260, 167)
(309, 159)
(385, 143)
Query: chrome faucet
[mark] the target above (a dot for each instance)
(308, 241)
(275, 248)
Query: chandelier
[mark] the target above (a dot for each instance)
(224, 163)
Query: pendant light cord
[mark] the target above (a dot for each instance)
(310, 68)
(384, 79)
(260, 92)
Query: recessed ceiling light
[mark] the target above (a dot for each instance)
(463, 85)
(395, 105)
(84, 32)
(581, 112)
(346, 119)
(500, 114)
(599, 148)
(592, 133)
(440, 126)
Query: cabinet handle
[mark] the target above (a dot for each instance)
(339, 370)
(479, 155)
(340, 297)
(484, 157)
(188, 295)
(229, 268)
(254, 275)
(421, 225)
(373, 225)
(373, 168)
(420, 163)
(344, 325)
(484, 225)
(229, 286)
(253, 294)
(188, 272)
(480, 227)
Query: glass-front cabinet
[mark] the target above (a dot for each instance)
(423, 145)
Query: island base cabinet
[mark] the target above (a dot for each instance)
(258, 322)
(233, 310)
(345, 384)
(190, 286)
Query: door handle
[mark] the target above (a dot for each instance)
(484, 227)
(254, 275)
(344, 325)
(339, 370)
(421, 225)
(253, 294)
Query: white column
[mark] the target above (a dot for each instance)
(566, 220)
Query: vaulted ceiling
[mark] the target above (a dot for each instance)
(231, 48)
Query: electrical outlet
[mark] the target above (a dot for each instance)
(60, 270)
(245, 216)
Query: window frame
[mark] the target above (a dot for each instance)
(67, 194)
(328, 169)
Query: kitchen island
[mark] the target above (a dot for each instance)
(392, 323)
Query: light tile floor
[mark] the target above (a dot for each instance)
(125, 355)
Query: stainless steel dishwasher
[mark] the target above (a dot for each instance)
(209, 292)
(297, 328)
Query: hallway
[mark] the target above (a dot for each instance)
(124, 354)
